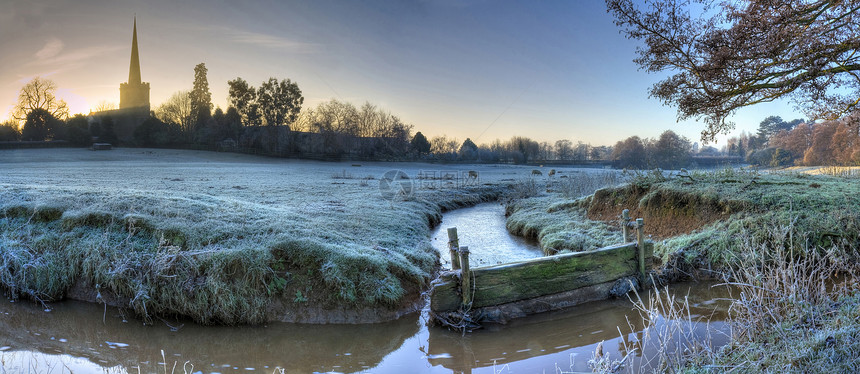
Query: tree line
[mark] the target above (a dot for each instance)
(833, 142)
(270, 119)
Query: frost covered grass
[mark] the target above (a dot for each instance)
(787, 243)
(217, 237)
(821, 211)
(556, 218)
(788, 314)
(559, 225)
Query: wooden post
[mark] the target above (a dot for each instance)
(454, 248)
(625, 225)
(465, 277)
(640, 238)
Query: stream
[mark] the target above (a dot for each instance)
(84, 337)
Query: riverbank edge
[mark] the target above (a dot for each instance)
(789, 238)
(283, 309)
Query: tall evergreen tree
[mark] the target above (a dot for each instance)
(420, 144)
(201, 98)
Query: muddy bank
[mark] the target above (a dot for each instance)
(667, 212)
(279, 309)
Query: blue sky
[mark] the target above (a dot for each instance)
(479, 69)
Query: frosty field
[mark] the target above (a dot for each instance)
(228, 238)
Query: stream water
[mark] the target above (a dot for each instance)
(82, 337)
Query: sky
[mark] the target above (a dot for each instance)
(475, 69)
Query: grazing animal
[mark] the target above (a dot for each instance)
(551, 172)
(536, 172)
(472, 176)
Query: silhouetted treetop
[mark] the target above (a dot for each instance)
(420, 144)
(201, 98)
(468, 146)
(243, 97)
(39, 93)
(280, 102)
(40, 125)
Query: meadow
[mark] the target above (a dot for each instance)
(231, 239)
(235, 239)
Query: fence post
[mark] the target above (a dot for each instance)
(465, 277)
(640, 238)
(453, 248)
(625, 224)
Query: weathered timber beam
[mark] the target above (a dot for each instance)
(506, 283)
(511, 282)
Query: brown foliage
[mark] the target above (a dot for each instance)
(821, 150)
(846, 143)
(630, 153)
(795, 141)
(733, 54)
(826, 143)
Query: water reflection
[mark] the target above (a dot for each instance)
(83, 338)
(82, 330)
(567, 339)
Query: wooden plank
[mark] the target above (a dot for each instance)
(524, 280)
(541, 304)
(445, 295)
(517, 281)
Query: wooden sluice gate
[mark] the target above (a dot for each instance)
(465, 296)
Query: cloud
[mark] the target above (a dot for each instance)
(270, 41)
(52, 48)
(23, 79)
(51, 56)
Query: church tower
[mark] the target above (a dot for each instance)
(134, 93)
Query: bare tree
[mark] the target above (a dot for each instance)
(564, 149)
(740, 53)
(39, 93)
(630, 153)
(177, 110)
(444, 145)
(336, 116)
(366, 119)
(304, 121)
(105, 105)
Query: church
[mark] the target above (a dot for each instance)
(133, 100)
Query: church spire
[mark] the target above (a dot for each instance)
(134, 66)
(134, 93)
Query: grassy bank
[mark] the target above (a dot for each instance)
(551, 212)
(219, 238)
(786, 240)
